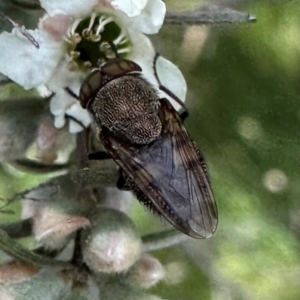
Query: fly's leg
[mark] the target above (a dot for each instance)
(123, 183)
(101, 155)
(127, 184)
(184, 115)
(71, 93)
(185, 112)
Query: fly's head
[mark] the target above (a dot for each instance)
(122, 101)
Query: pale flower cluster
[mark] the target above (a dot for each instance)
(49, 64)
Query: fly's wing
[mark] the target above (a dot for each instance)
(170, 173)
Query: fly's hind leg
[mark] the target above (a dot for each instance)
(127, 184)
(123, 182)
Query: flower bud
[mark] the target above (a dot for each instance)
(84, 291)
(117, 199)
(19, 120)
(52, 144)
(175, 272)
(57, 211)
(53, 228)
(115, 287)
(112, 243)
(150, 297)
(16, 271)
(20, 281)
(147, 272)
(27, 127)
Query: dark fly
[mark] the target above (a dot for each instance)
(147, 139)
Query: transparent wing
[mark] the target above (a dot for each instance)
(170, 173)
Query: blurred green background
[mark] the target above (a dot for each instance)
(244, 101)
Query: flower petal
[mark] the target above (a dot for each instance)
(169, 75)
(61, 104)
(79, 113)
(142, 53)
(59, 121)
(130, 7)
(151, 18)
(74, 127)
(23, 62)
(64, 77)
(56, 26)
(75, 8)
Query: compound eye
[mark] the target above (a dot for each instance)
(119, 67)
(90, 87)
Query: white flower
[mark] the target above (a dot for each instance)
(63, 58)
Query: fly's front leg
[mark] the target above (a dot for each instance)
(184, 115)
(185, 112)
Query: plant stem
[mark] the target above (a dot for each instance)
(162, 239)
(17, 251)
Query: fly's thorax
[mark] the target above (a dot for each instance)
(142, 130)
(128, 107)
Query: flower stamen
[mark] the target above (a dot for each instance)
(121, 39)
(103, 20)
(124, 50)
(74, 54)
(73, 39)
(87, 64)
(74, 26)
(95, 37)
(104, 47)
(92, 20)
